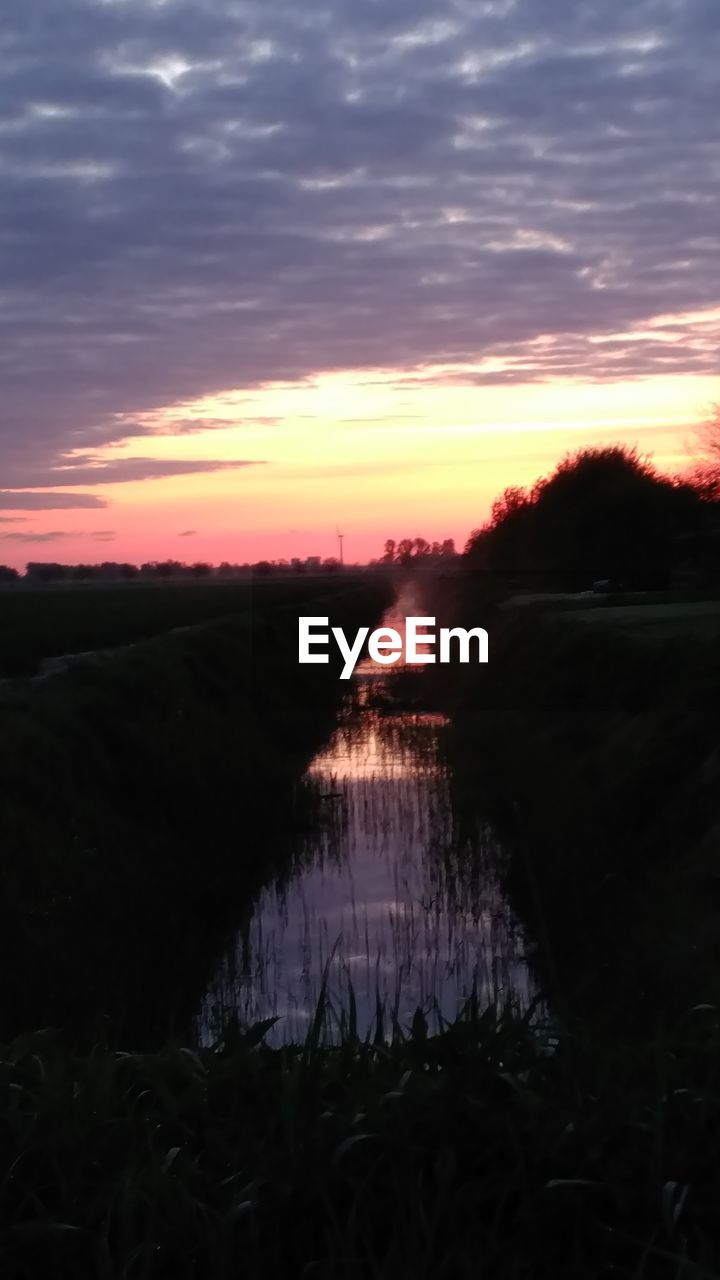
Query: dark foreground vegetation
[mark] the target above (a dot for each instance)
(144, 794)
(592, 740)
(490, 1150)
(578, 1143)
(595, 747)
(592, 734)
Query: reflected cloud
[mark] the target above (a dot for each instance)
(394, 897)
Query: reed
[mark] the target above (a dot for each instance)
(499, 1146)
(144, 798)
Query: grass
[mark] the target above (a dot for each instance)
(494, 1148)
(144, 798)
(143, 792)
(650, 621)
(594, 748)
(36, 624)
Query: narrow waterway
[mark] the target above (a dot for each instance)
(395, 904)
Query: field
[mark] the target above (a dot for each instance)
(41, 623)
(672, 620)
(147, 793)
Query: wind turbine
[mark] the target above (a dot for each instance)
(340, 540)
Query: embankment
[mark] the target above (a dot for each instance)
(595, 747)
(143, 796)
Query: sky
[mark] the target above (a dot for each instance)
(269, 269)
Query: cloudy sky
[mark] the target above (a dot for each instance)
(269, 267)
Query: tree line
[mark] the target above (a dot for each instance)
(46, 572)
(604, 514)
(408, 550)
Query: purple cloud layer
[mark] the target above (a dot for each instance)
(204, 194)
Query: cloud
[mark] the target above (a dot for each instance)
(187, 533)
(217, 195)
(19, 500)
(188, 426)
(127, 470)
(53, 535)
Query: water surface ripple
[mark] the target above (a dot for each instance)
(397, 896)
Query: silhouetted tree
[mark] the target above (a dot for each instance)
(7, 574)
(46, 571)
(704, 478)
(603, 513)
(409, 549)
(162, 569)
(707, 440)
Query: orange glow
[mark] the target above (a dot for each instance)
(382, 453)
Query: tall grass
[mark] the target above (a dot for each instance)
(499, 1145)
(497, 1148)
(595, 751)
(144, 798)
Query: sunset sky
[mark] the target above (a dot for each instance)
(269, 267)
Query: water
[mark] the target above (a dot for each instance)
(396, 897)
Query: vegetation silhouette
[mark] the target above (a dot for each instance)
(416, 551)
(591, 737)
(579, 1148)
(605, 513)
(144, 793)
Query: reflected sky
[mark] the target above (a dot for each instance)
(387, 897)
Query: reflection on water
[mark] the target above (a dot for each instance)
(389, 898)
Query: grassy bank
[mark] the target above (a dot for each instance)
(144, 796)
(592, 738)
(37, 624)
(486, 1150)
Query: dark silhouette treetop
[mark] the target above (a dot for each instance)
(605, 512)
